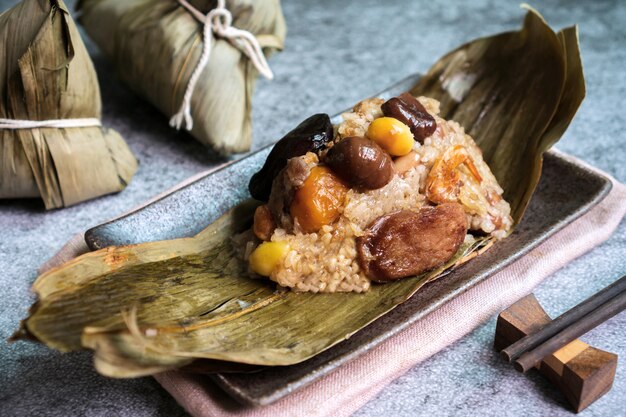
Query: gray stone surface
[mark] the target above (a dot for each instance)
(336, 53)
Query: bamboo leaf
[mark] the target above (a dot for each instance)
(194, 299)
(515, 94)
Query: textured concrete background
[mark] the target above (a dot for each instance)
(336, 53)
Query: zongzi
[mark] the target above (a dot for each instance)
(392, 194)
(166, 52)
(52, 144)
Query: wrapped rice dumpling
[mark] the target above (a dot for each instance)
(46, 76)
(156, 45)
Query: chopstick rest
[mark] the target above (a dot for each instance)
(582, 373)
(575, 322)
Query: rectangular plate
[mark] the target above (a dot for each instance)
(566, 191)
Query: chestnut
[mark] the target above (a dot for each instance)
(360, 162)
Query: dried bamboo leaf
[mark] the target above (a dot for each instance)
(49, 75)
(155, 45)
(213, 300)
(162, 305)
(515, 93)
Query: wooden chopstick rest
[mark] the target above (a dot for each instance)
(582, 372)
(528, 351)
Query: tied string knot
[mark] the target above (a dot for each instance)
(217, 22)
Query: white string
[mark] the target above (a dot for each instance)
(219, 22)
(12, 124)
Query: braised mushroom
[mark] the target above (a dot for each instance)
(309, 136)
(410, 111)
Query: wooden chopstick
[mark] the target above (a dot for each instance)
(598, 316)
(566, 320)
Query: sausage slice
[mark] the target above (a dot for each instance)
(407, 243)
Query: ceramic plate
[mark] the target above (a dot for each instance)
(566, 191)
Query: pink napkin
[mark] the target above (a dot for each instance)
(348, 388)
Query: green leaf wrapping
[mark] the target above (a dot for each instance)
(194, 296)
(515, 94)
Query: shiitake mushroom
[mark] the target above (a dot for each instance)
(309, 136)
(410, 111)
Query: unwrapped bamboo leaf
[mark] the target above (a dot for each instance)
(155, 46)
(515, 94)
(217, 312)
(161, 305)
(48, 75)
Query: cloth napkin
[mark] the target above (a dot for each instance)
(348, 388)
